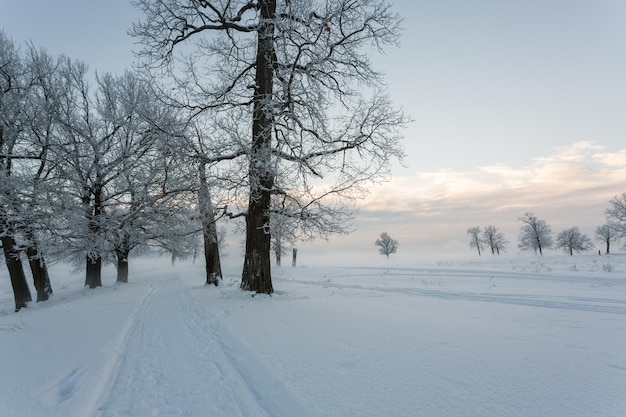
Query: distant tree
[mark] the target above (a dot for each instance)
(535, 234)
(281, 235)
(387, 244)
(572, 240)
(494, 239)
(616, 215)
(606, 234)
(475, 239)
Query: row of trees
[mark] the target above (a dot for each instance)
(536, 234)
(89, 173)
(265, 111)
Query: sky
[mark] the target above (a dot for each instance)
(517, 106)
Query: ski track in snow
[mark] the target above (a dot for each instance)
(591, 304)
(113, 364)
(208, 369)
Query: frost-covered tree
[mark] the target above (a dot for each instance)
(386, 244)
(89, 124)
(13, 101)
(312, 125)
(118, 180)
(476, 240)
(494, 239)
(149, 195)
(572, 239)
(31, 91)
(606, 234)
(535, 234)
(40, 124)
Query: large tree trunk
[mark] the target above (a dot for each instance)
(294, 255)
(122, 251)
(212, 260)
(256, 269)
(21, 292)
(41, 278)
(38, 267)
(122, 265)
(256, 274)
(93, 272)
(213, 266)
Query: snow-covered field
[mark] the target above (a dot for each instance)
(515, 336)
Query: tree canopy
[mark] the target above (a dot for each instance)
(302, 113)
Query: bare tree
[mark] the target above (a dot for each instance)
(494, 239)
(282, 235)
(318, 123)
(535, 234)
(572, 239)
(387, 245)
(606, 234)
(475, 239)
(616, 215)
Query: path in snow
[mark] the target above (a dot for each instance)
(179, 361)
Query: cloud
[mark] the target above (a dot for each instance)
(617, 159)
(576, 173)
(570, 187)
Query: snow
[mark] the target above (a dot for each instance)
(497, 336)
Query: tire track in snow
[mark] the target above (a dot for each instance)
(241, 364)
(179, 361)
(111, 366)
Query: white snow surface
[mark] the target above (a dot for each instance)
(516, 336)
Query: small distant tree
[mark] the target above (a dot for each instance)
(387, 245)
(535, 234)
(494, 239)
(572, 240)
(606, 234)
(475, 239)
(616, 215)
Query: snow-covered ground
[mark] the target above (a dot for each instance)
(514, 336)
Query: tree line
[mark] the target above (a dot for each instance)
(269, 112)
(536, 234)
